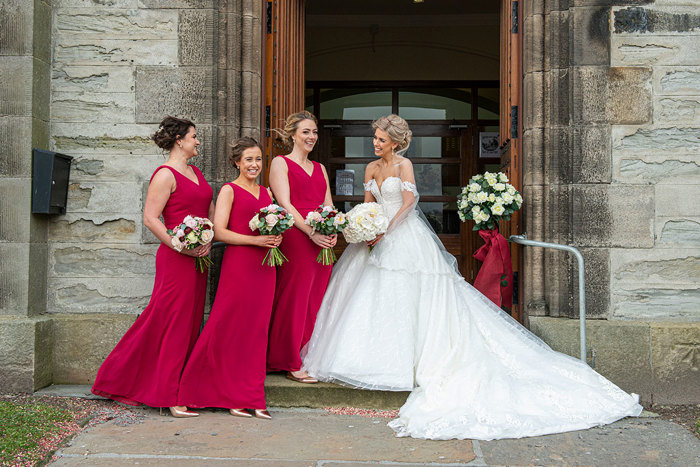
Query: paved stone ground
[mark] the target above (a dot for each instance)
(313, 437)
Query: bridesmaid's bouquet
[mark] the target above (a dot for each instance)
(328, 221)
(487, 199)
(191, 233)
(365, 222)
(272, 220)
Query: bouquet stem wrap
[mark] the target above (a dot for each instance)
(495, 278)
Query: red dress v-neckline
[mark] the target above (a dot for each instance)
(251, 194)
(313, 166)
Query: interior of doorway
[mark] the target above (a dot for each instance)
(364, 59)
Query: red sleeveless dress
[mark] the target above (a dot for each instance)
(146, 364)
(302, 281)
(227, 366)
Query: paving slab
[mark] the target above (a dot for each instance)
(312, 437)
(292, 435)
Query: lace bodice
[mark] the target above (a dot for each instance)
(390, 196)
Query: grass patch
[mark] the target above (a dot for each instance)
(24, 426)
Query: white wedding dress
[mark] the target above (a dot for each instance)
(403, 319)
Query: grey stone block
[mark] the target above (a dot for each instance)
(16, 355)
(41, 29)
(16, 135)
(534, 43)
(657, 170)
(250, 100)
(36, 279)
(83, 342)
(100, 228)
(73, 50)
(559, 155)
(592, 154)
(591, 36)
(105, 197)
(92, 107)
(15, 209)
(227, 102)
(105, 168)
(104, 139)
(621, 349)
(251, 45)
(674, 360)
(656, 50)
(88, 79)
(117, 260)
(176, 4)
(613, 216)
(673, 232)
(670, 140)
(196, 37)
(99, 294)
(680, 110)
(676, 81)
(648, 20)
(16, 86)
(16, 22)
(558, 41)
(41, 90)
(116, 23)
(174, 91)
(533, 94)
(535, 148)
(620, 95)
(677, 200)
(558, 98)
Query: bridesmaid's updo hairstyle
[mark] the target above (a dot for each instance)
(291, 124)
(170, 129)
(397, 129)
(240, 145)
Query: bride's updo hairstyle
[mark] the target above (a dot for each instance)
(397, 129)
(170, 129)
(292, 123)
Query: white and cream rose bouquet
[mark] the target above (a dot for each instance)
(326, 220)
(272, 220)
(190, 233)
(488, 199)
(365, 222)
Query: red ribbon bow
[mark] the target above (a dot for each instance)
(495, 255)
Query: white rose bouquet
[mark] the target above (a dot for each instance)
(272, 220)
(365, 222)
(191, 233)
(487, 199)
(328, 221)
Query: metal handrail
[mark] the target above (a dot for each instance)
(522, 239)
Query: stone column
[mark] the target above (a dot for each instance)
(26, 335)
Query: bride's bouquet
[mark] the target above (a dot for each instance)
(328, 221)
(487, 199)
(272, 220)
(191, 233)
(365, 222)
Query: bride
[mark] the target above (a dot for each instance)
(402, 318)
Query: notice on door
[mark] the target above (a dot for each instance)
(344, 182)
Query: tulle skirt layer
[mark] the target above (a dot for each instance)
(401, 318)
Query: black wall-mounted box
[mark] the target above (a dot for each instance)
(51, 171)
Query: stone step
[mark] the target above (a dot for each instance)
(281, 392)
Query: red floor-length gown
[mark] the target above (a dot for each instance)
(146, 364)
(302, 281)
(227, 366)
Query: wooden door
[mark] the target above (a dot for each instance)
(510, 132)
(283, 70)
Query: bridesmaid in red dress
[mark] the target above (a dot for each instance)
(299, 185)
(146, 364)
(227, 366)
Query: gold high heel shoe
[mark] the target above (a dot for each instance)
(240, 413)
(263, 413)
(178, 412)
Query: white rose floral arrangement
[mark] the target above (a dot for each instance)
(190, 233)
(365, 222)
(488, 199)
(272, 220)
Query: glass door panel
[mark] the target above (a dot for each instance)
(435, 104)
(354, 104)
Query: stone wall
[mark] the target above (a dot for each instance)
(92, 79)
(26, 337)
(611, 165)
